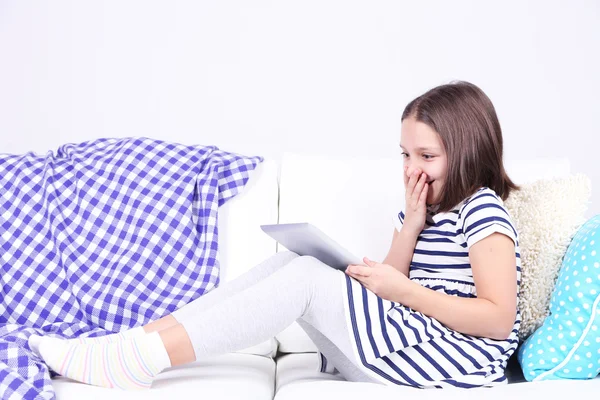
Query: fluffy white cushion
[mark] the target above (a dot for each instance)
(547, 214)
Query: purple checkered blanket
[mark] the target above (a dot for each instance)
(103, 236)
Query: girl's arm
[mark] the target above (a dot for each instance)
(492, 314)
(401, 251)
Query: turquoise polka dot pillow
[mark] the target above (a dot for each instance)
(567, 345)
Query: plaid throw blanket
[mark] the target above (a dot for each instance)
(101, 237)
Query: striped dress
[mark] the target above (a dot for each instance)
(399, 346)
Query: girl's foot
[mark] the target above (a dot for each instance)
(126, 364)
(114, 337)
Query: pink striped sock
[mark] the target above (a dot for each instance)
(125, 364)
(115, 337)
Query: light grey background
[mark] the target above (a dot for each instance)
(316, 76)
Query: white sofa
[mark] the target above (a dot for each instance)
(352, 200)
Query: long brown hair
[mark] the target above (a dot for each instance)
(465, 118)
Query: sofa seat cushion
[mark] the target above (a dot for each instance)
(231, 376)
(298, 379)
(361, 391)
(300, 367)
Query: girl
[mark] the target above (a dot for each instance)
(439, 311)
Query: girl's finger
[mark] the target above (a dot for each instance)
(412, 180)
(368, 262)
(416, 193)
(355, 276)
(423, 196)
(359, 278)
(362, 271)
(419, 186)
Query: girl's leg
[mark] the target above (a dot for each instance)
(304, 288)
(228, 289)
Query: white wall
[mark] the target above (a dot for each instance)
(324, 76)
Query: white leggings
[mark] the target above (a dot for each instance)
(264, 301)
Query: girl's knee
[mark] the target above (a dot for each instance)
(308, 263)
(300, 269)
(313, 273)
(316, 266)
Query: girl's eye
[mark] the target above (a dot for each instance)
(427, 156)
(404, 154)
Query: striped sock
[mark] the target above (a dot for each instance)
(126, 364)
(115, 337)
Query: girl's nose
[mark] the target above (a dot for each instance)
(410, 170)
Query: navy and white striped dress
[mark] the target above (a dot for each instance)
(397, 345)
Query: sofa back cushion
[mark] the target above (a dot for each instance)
(242, 244)
(547, 213)
(354, 201)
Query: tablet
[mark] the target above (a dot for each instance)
(307, 240)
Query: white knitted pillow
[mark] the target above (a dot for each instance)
(547, 214)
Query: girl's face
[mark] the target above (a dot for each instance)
(423, 150)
